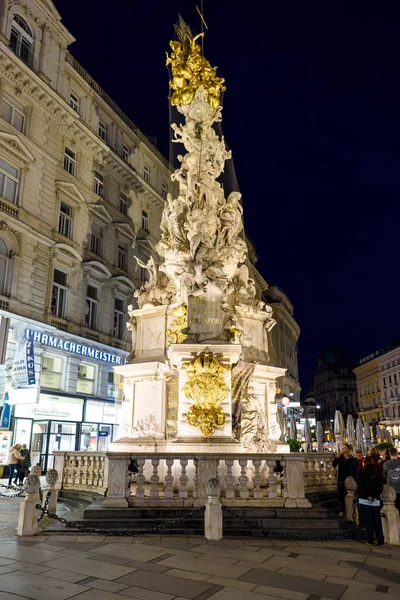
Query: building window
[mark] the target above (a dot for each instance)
(59, 294)
(113, 390)
(102, 130)
(12, 114)
(123, 204)
(92, 307)
(65, 220)
(164, 191)
(52, 367)
(119, 318)
(99, 184)
(146, 173)
(86, 379)
(4, 265)
(69, 161)
(96, 238)
(122, 258)
(145, 220)
(125, 153)
(9, 181)
(21, 40)
(74, 102)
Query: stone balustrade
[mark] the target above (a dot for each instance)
(180, 479)
(319, 474)
(84, 471)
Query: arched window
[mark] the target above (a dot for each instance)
(21, 40)
(4, 265)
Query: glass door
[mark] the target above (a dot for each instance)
(105, 434)
(39, 443)
(62, 437)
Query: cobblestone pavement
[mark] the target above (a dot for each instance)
(92, 567)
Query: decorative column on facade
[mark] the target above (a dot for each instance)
(44, 50)
(3, 19)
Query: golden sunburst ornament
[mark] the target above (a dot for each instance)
(206, 388)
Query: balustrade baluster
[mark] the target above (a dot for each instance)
(229, 479)
(257, 478)
(154, 491)
(243, 479)
(78, 470)
(140, 478)
(169, 479)
(272, 481)
(183, 479)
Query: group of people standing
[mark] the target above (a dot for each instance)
(19, 463)
(371, 473)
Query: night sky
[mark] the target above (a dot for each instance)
(311, 113)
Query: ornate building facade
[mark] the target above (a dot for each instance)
(335, 384)
(368, 374)
(81, 192)
(283, 341)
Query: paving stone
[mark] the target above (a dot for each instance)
(228, 593)
(24, 554)
(187, 574)
(221, 559)
(287, 594)
(143, 594)
(314, 566)
(97, 594)
(235, 583)
(107, 586)
(130, 552)
(378, 577)
(6, 561)
(294, 583)
(7, 569)
(203, 566)
(368, 595)
(67, 545)
(96, 539)
(29, 568)
(383, 562)
(89, 567)
(307, 574)
(6, 596)
(37, 587)
(229, 552)
(114, 560)
(160, 582)
(63, 575)
(251, 565)
(352, 583)
(146, 566)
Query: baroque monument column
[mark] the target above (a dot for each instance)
(199, 376)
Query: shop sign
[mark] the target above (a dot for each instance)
(23, 365)
(56, 408)
(5, 417)
(70, 346)
(100, 412)
(26, 395)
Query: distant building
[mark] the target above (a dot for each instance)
(378, 386)
(335, 384)
(283, 341)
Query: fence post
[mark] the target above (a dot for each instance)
(28, 516)
(118, 481)
(206, 469)
(51, 480)
(213, 512)
(391, 520)
(296, 497)
(351, 487)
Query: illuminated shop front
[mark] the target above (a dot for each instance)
(76, 403)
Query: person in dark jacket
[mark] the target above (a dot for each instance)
(347, 466)
(370, 488)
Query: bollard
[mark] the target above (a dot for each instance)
(51, 480)
(391, 519)
(213, 512)
(351, 510)
(28, 516)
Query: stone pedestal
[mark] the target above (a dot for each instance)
(181, 354)
(213, 529)
(295, 483)
(118, 481)
(390, 514)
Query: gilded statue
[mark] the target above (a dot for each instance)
(190, 70)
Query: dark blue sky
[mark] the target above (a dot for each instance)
(311, 113)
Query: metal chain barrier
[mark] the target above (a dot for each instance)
(111, 532)
(347, 534)
(20, 492)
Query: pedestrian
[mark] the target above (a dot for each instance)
(13, 457)
(391, 470)
(370, 487)
(373, 453)
(347, 467)
(24, 464)
(360, 458)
